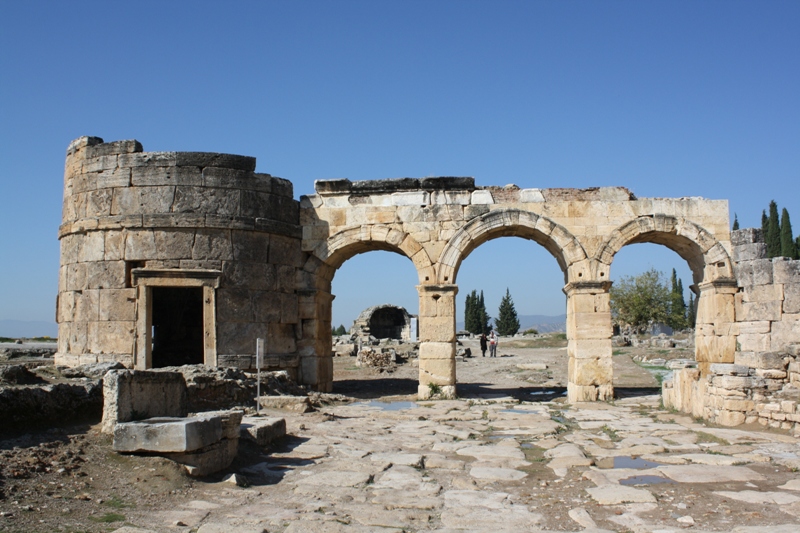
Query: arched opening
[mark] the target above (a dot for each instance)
(642, 355)
(712, 274)
(376, 356)
(528, 367)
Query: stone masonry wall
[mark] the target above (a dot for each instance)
(763, 383)
(125, 209)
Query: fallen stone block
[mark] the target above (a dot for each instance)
(164, 435)
(262, 430)
(299, 404)
(208, 460)
(140, 394)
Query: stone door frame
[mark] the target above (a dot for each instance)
(144, 279)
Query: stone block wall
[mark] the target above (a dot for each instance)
(178, 215)
(763, 383)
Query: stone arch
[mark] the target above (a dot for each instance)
(712, 272)
(330, 254)
(706, 256)
(555, 238)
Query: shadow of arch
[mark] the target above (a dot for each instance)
(329, 255)
(706, 256)
(555, 238)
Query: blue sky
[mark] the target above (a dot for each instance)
(667, 98)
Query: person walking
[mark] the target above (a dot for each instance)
(492, 344)
(483, 344)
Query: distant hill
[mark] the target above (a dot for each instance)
(542, 323)
(28, 328)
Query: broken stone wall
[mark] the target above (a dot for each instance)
(175, 219)
(763, 383)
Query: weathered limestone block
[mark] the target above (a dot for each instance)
(757, 311)
(791, 298)
(771, 374)
(111, 337)
(786, 271)
(749, 252)
(173, 244)
(438, 371)
(135, 395)
(298, 404)
(738, 382)
(105, 275)
(263, 430)
(762, 360)
(728, 369)
(757, 342)
(730, 418)
(593, 371)
(167, 434)
(785, 333)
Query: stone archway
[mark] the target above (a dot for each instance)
(589, 344)
(712, 272)
(315, 298)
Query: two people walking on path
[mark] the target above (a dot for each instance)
(492, 342)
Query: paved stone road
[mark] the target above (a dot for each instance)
(476, 466)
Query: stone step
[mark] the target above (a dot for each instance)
(263, 430)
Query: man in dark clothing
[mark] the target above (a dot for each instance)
(483, 344)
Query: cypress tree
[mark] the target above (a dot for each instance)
(677, 305)
(507, 321)
(735, 222)
(764, 224)
(469, 313)
(773, 236)
(788, 248)
(692, 314)
(483, 316)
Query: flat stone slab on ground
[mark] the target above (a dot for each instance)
(618, 494)
(496, 474)
(335, 479)
(709, 473)
(752, 496)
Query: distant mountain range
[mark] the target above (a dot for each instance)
(542, 323)
(28, 328)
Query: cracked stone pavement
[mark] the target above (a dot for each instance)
(499, 465)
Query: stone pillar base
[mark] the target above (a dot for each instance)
(589, 393)
(446, 392)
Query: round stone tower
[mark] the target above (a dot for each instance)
(171, 258)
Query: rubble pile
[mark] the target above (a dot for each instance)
(384, 359)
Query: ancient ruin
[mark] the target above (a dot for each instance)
(385, 322)
(172, 257)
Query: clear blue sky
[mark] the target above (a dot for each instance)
(678, 98)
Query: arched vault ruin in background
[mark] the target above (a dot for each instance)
(141, 230)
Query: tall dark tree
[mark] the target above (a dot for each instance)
(773, 236)
(764, 224)
(483, 316)
(691, 315)
(470, 323)
(507, 321)
(677, 305)
(788, 248)
(735, 222)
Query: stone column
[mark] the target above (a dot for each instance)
(314, 345)
(715, 334)
(437, 335)
(589, 341)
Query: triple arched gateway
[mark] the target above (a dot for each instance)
(437, 223)
(144, 234)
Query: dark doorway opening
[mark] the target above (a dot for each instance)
(387, 323)
(177, 326)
